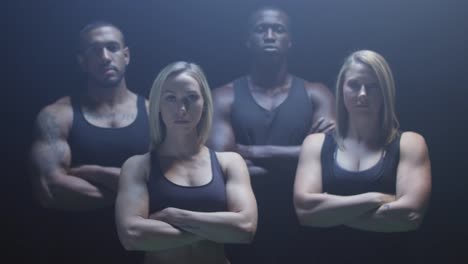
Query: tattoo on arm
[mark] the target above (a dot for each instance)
(48, 131)
(47, 128)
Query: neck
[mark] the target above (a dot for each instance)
(107, 95)
(269, 74)
(180, 145)
(364, 129)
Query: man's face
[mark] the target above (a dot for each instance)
(104, 56)
(269, 33)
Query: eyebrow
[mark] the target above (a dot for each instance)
(94, 43)
(270, 24)
(168, 91)
(188, 92)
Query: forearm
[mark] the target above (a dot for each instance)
(72, 193)
(221, 227)
(255, 170)
(269, 153)
(325, 210)
(105, 176)
(390, 217)
(154, 235)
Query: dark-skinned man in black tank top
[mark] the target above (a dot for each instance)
(80, 144)
(265, 116)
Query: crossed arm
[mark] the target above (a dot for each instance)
(56, 184)
(368, 211)
(223, 139)
(173, 227)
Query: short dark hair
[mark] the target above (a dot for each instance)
(251, 18)
(93, 25)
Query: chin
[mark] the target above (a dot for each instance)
(109, 83)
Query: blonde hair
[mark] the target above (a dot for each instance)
(381, 69)
(157, 127)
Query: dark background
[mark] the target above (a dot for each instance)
(425, 43)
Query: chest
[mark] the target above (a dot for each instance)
(358, 169)
(118, 117)
(270, 100)
(287, 123)
(187, 173)
(196, 187)
(358, 158)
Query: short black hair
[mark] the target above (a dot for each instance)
(93, 25)
(251, 18)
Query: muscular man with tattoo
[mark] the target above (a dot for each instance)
(265, 116)
(81, 143)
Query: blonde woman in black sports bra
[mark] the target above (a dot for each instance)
(367, 176)
(181, 201)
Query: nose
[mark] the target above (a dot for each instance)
(269, 35)
(105, 55)
(362, 91)
(182, 108)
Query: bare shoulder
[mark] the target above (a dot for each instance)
(56, 117)
(413, 146)
(137, 166)
(318, 91)
(230, 160)
(223, 96)
(314, 141)
(137, 160)
(61, 108)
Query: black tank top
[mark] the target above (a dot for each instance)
(286, 125)
(88, 230)
(110, 147)
(354, 244)
(379, 178)
(163, 193)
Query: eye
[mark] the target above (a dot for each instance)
(280, 29)
(193, 97)
(170, 98)
(260, 28)
(92, 49)
(353, 85)
(113, 47)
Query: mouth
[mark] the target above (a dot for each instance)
(109, 70)
(181, 121)
(270, 48)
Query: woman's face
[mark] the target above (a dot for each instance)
(181, 102)
(361, 90)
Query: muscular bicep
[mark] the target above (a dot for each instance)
(323, 102)
(309, 170)
(132, 197)
(239, 193)
(222, 134)
(414, 172)
(50, 152)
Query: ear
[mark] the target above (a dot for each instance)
(126, 53)
(81, 61)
